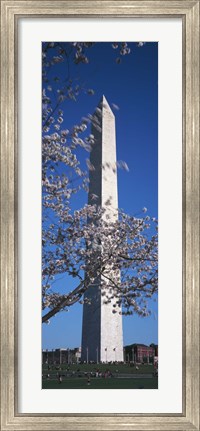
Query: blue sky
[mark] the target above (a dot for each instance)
(133, 86)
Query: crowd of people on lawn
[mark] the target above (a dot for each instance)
(97, 373)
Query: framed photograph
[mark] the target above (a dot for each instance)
(81, 81)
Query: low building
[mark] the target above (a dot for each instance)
(139, 353)
(61, 356)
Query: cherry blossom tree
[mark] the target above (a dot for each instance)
(86, 244)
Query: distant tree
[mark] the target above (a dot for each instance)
(123, 252)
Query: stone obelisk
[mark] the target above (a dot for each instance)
(102, 337)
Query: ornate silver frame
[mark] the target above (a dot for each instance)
(11, 11)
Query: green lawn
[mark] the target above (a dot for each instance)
(119, 368)
(75, 376)
(101, 383)
(124, 376)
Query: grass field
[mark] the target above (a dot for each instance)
(100, 383)
(75, 376)
(114, 368)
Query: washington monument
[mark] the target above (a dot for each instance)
(102, 338)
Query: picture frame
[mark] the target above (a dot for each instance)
(11, 11)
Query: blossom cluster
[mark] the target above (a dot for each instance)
(90, 247)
